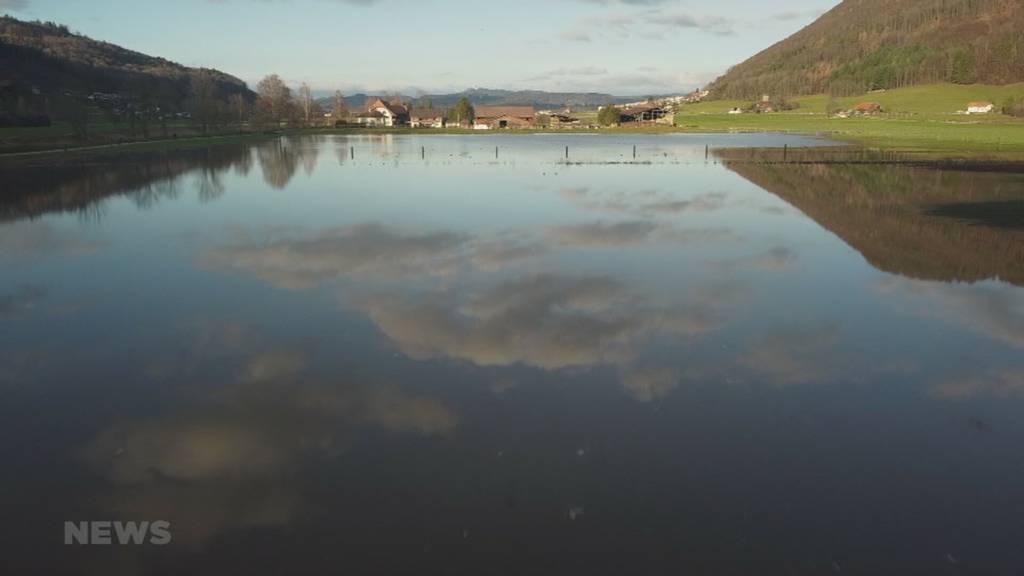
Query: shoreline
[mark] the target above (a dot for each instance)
(943, 151)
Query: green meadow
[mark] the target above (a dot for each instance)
(917, 119)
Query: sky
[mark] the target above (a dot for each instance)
(622, 47)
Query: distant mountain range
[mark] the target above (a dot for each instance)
(492, 97)
(863, 45)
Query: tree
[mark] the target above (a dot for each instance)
(204, 103)
(70, 109)
(961, 67)
(274, 99)
(239, 107)
(1013, 106)
(306, 102)
(338, 110)
(462, 112)
(831, 106)
(609, 115)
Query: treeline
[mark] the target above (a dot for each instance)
(864, 45)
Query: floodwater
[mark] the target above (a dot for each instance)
(492, 355)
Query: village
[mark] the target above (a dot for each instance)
(379, 112)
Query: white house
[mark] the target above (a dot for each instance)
(384, 113)
(980, 107)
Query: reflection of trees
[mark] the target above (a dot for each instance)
(79, 184)
(280, 159)
(918, 221)
(210, 185)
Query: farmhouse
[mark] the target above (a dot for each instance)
(491, 117)
(644, 113)
(426, 118)
(370, 118)
(980, 107)
(384, 113)
(561, 120)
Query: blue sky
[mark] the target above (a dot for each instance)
(624, 47)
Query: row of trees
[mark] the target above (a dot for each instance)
(275, 104)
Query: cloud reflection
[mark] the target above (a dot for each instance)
(227, 458)
(31, 239)
(643, 203)
(363, 250)
(548, 321)
(992, 309)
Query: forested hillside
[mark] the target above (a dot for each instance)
(43, 61)
(863, 45)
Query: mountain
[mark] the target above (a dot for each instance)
(490, 97)
(863, 45)
(45, 59)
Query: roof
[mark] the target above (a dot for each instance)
(868, 106)
(642, 108)
(497, 111)
(979, 104)
(396, 109)
(426, 113)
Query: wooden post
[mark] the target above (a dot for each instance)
(566, 152)
(707, 151)
(785, 152)
(634, 151)
(352, 152)
(423, 152)
(495, 152)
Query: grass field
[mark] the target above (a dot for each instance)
(918, 119)
(940, 99)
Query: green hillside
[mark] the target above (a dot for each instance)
(865, 45)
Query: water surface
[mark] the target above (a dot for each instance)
(491, 355)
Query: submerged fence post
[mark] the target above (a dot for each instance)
(634, 151)
(423, 152)
(352, 152)
(707, 151)
(495, 152)
(566, 152)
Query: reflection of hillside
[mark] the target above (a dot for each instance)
(77, 184)
(922, 222)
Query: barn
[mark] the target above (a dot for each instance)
(496, 117)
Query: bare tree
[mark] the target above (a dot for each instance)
(274, 101)
(339, 110)
(306, 101)
(239, 107)
(204, 103)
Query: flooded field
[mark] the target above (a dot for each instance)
(546, 354)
